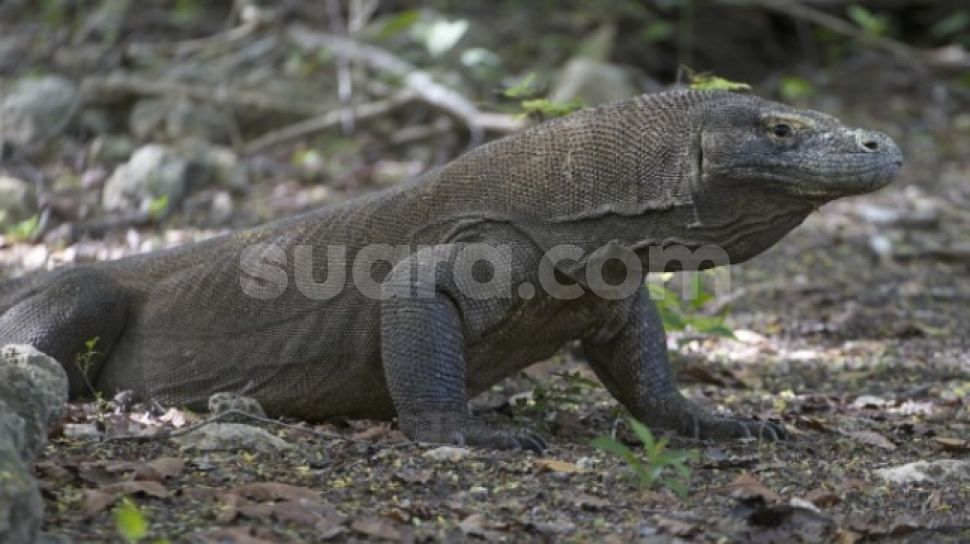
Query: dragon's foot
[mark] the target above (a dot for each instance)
(449, 428)
(678, 413)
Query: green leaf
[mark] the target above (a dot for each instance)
(186, 11)
(400, 22)
(677, 486)
(795, 88)
(527, 88)
(952, 24)
(871, 24)
(699, 295)
(642, 432)
(25, 230)
(545, 108)
(711, 82)
(611, 445)
(158, 207)
(130, 522)
(657, 31)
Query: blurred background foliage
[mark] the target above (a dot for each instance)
(303, 102)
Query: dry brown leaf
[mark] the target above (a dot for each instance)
(228, 507)
(245, 534)
(199, 493)
(398, 514)
(950, 443)
(823, 498)
(414, 476)
(378, 527)
(301, 512)
(720, 377)
(160, 469)
(676, 527)
(871, 438)
(275, 491)
(816, 424)
(555, 465)
(844, 536)
(96, 500)
(374, 432)
(746, 485)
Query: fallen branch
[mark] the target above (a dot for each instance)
(94, 88)
(419, 81)
(325, 121)
(166, 434)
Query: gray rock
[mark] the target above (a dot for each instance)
(174, 120)
(154, 171)
(147, 118)
(18, 200)
(33, 392)
(85, 432)
(593, 81)
(21, 507)
(214, 165)
(232, 436)
(34, 387)
(35, 109)
(110, 148)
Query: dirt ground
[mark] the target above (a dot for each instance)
(854, 331)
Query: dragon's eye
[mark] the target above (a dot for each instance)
(781, 130)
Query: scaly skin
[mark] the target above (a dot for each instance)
(682, 168)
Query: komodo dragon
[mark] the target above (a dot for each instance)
(689, 169)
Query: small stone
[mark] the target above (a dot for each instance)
(87, 432)
(232, 436)
(214, 165)
(479, 492)
(154, 171)
(941, 470)
(447, 453)
(110, 148)
(221, 207)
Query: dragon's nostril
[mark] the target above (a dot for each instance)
(871, 145)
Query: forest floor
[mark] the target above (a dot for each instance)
(854, 331)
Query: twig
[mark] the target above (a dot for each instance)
(417, 80)
(323, 122)
(166, 434)
(187, 47)
(95, 87)
(345, 82)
